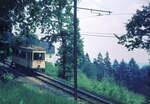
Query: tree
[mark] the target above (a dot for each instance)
(122, 73)
(26, 16)
(134, 74)
(89, 68)
(99, 62)
(115, 65)
(65, 62)
(138, 30)
(133, 69)
(115, 68)
(107, 63)
(99, 59)
(144, 82)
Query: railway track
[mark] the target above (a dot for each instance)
(68, 88)
(82, 94)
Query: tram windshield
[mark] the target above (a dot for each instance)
(39, 56)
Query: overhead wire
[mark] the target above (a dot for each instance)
(122, 14)
(110, 33)
(99, 13)
(110, 13)
(98, 36)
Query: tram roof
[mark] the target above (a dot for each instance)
(30, 48)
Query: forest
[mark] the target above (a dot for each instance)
(125, 74)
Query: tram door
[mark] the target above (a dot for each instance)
(29, 59)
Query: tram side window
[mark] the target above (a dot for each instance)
(22, 54)
(15, 52)
(39, 56)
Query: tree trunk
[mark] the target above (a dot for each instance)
(64, 56)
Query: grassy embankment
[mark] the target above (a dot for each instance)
(13, 92)
(18, 93)
(105, 87)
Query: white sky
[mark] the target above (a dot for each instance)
(91, 23)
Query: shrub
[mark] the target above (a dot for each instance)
(51, 69)
(7, 77)
(110, 90)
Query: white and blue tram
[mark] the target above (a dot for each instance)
(29, 57)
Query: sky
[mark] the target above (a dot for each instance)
(92, 24)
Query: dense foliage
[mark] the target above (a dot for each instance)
(124, 74)
(28, 15)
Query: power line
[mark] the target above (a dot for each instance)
(97, 15)
(122, 14)
(97, 33)
(103, 11)
(102, 36)
(117, 14)
(111, 33)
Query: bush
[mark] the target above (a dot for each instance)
(110, 90)
(51, 69)
(7, 77)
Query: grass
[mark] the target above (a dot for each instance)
(18, 93)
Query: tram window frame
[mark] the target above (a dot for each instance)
(37, 56)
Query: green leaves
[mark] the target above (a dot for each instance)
(21, 102)
(7, 77)
(137, 28)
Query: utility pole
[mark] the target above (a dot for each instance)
(75, 49)
(75, 42)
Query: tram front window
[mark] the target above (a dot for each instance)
(39, 56)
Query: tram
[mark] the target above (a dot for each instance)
(29, 57)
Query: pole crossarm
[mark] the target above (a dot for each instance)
(96, 10)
